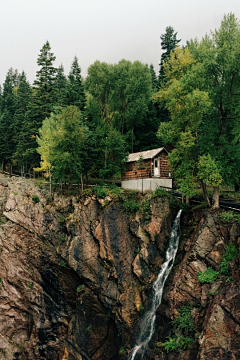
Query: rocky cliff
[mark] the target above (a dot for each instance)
(76, 277)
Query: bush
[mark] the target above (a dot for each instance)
(183, 320)
(230, 254)
(185, 207)
(227, 216)
(100, 191)
(160, 192)
(61, 219)
(177, 342)
(208, 276)
(62, 238)
(131, 206)
(121, 350)
(35, 199)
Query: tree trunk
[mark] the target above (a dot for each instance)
(114, 180)
(187, 200)
(206, 197)
(215, 198)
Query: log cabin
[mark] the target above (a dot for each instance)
(147, 170)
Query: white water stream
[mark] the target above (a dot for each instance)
(148, 321)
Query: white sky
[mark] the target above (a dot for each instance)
(105, 30)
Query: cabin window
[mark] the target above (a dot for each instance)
(129, 166)
(155, 163)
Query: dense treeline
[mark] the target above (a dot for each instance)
(113, 107)
(75, 127)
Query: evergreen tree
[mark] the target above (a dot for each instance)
(45, 94)
(22, 101)
(154, 78)
(75, 89)
(44, 97)
(168, 43)
(61, 86)
(7, 120)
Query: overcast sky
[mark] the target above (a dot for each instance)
(105, 30)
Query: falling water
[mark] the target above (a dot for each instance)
(148, 321)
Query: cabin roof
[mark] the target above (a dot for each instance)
(148, 154)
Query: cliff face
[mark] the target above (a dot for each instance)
(76, 277)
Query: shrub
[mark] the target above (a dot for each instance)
(160, 192)
(185, 207)
(208, 276)
(131, 206)
(80, 287)
(62, 238)
(61, 219)
(183, 320)
(35, 199)
(227, 216)
(121, 350)
(100, 191)
(230, 254)
(173, 203)
(115, 190)
(177, 342)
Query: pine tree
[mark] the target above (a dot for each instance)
(6, 120)
(75, 89)
(61, 86)
(44, 97)
(23, 98)
(45, 94)
(168, 43)
(154, 78)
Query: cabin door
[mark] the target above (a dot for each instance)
(156, 168)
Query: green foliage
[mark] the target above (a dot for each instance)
(35, 199)
(100, 191)
(208, 276)
(230, 254)
(183, 320)
(145, 209)
(121, 350)
(63, 263)
(131, 206)
(185, 207)
(227, 216)
(62, 238)
(61, 144)
(212, 293)
(176, 343)
(160, 192)
(80, 287)
(61, 219)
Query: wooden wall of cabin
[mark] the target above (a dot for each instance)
(133, 173)
(164, 166)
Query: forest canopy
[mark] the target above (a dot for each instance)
(69, 127)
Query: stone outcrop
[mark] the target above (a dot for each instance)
(216, 306)
(76, 277)
(75, 274)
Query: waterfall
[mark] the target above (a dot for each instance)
(148, 321)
